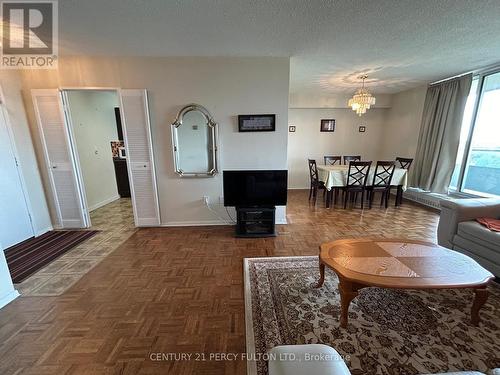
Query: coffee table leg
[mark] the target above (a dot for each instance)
(348, 291)
(480, 298)
(321, 275)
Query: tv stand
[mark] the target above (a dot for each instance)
(255, 221)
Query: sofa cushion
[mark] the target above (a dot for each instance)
(484, 256)
(476, 232)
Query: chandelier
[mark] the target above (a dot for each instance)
(362, 99)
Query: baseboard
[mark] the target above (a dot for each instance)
(103, 203)
(193, 223)
(9, 298)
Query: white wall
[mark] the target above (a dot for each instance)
(309, 142)
(391, 131)
(225, 86)
(94, 126)
(403, 123)
(10, 82)
(7, 291)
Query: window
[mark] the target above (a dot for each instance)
(477, 170)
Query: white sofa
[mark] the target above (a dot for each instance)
(318, 359)
(458, 230)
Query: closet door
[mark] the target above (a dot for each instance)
(137, 137)
(15, 219)
(59, 159)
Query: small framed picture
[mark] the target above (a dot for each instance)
(327, 125)
(256, 123)
(362, 129)
(291, 128)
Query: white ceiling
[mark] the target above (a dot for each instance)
(399, 43)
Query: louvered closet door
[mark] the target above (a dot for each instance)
(137, 134)
(59, 159)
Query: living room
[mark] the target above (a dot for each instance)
(212, 265)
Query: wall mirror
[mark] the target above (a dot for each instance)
(194, 141)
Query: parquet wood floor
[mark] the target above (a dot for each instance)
(115, 223)
(174, 290)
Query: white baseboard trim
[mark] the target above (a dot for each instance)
(9, 298)
(39, 232)
(103, 203)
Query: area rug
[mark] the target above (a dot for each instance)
(392, 332)
(27, 257)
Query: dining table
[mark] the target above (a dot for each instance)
(335, 176)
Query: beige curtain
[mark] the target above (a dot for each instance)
(440, 134)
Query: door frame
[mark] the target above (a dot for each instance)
(12, 142)
(65, 105)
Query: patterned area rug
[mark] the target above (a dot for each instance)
(390, 331)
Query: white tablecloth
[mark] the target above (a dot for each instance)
(336, 176)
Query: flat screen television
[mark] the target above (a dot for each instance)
(255, 188)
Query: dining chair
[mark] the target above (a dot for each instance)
(316, 184)
(332, 160)
(384, 170)
(349, 158)
(404, 163)
(356, 181)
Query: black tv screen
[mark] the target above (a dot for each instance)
(255, 188)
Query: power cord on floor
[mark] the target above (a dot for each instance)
(228, 214)
(219, 216)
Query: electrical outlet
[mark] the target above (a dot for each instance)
(206, 200)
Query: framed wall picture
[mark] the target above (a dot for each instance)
(327, 125)
(362, 129)
(256, 123)
(291, 128)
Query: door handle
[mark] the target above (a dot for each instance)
(54, 166)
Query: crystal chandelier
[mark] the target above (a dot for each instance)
(362, 99)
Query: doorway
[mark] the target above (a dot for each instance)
(97, 136)
(79, 152)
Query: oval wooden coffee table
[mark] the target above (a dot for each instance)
(401, 264)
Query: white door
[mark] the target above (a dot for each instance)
(59, 158)
(15, 220)
(138, 146)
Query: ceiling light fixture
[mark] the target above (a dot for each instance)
(362, 99)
